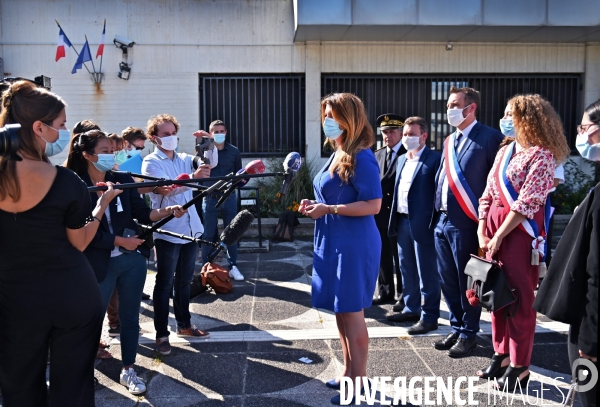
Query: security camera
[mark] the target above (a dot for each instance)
(121, 42)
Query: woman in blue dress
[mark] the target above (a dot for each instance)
(347, 244)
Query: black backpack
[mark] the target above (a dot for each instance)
(284, 230)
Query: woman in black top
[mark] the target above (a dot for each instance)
(569, 292)
(49, 298)
(118, 260)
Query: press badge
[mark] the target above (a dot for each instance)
(119, 206)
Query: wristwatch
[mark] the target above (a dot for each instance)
(335, 209)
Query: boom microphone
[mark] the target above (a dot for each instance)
(291, 165)
(237, 227)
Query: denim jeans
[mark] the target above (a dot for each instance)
(127, 273)
(175, 265)
(210, 215)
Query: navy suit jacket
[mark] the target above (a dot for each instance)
(387, 186)
(475, 159)
(421, 196)
(134, 207)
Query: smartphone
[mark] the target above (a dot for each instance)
(127, 233)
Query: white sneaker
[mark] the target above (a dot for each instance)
(235, 274)
(134, 384)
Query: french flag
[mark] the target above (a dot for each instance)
(101, 46)
(63, 44)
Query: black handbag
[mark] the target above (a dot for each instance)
(489, 286)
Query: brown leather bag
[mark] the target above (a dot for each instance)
(216, 277)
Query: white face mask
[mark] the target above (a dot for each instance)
(455, 116)
(168, 143)
(411, 143)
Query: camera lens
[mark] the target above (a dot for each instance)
(9, 142)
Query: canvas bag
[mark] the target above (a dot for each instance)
(284, 230)
(217, 277)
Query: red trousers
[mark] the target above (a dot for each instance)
(515, 335)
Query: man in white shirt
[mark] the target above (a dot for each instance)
(410, 221)
(175, 257)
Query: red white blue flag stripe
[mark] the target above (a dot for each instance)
(457, 182)
(63, 44)
(101, 46)
(508, 195)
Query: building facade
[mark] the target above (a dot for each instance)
(262, 66)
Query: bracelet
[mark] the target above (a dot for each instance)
(97, 219)
(329, 209)
(154, 190)
(335, 209)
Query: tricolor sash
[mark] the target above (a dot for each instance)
(508, 195)
(457, 182)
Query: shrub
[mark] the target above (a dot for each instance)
(576, 187)
(300, 188)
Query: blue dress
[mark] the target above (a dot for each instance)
(347, 248)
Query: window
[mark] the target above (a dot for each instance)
(264, 114)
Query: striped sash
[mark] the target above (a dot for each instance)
(457, 182)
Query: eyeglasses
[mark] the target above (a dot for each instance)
(584, 127)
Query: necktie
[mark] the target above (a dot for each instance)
(388, 160)
(457, 141)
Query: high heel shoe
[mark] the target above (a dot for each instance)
(337, 399)
(495, 369)
(511, 377)
(333, 384)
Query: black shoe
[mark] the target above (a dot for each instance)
(382, 300)
(447, 342)
(421, 328)
(145, 297)
(463, 347)
(398, 306)
(511, 377)
(495, 369)
(403, 317)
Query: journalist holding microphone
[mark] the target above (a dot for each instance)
(348, 194)
(116, 254)
(49, 298)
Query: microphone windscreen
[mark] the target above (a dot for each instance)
(292, 161)
(237, 227)
(255, 167)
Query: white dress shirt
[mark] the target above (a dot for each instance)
(157, 164)
(406, 177)
(461, 144)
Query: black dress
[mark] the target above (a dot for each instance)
(49, 299)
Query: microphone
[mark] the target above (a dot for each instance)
(232, 233)
(253, 167)
(291, 165)
(180, 177)
(237, 227)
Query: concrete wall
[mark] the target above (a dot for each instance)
(177, 40)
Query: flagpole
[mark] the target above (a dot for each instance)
(73, 46)
(86, 40)
(102, 56)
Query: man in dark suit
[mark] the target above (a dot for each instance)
(389, 266)
(468, 158)
(410, 221)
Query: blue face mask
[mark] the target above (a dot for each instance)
(133, 153)
(331, 128)
(588, 151)
(507, 128)
(120, 157)
(105, 162)
(219, 138)
(59, 145)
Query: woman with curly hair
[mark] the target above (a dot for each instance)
(348, 195)
(511, 221)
